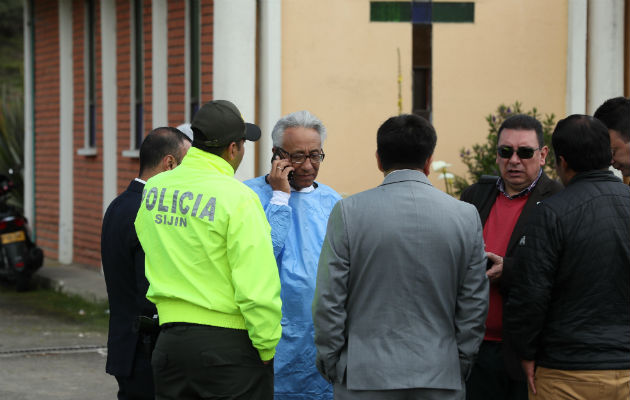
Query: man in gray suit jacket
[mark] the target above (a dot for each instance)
(402, 293)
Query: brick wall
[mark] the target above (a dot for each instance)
(46, 107)
(127, 167)
(88, 170)
(148, 64)
(207, 38)
(176, 53)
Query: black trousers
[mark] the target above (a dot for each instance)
(138, 385)
(206, 362)
(489, 379)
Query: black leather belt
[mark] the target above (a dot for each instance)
(170, 325)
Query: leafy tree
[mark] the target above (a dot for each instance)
(481, 160)
(11, 46)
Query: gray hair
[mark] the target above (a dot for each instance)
(299, 118)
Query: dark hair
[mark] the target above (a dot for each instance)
(405, 141)
(523, 122)
(160, 142)
(615, 114)
(583, 141)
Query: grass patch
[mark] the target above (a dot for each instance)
(91, 315)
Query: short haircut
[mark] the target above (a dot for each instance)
(615, 114)
(523, 122)
(583, 142)
(405, 142)
(299, 118)
(159, 143)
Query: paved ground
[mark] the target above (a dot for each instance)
(63, 360)
(73, 278)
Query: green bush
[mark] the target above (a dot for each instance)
(481, 159)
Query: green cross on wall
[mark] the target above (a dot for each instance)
(422, 12)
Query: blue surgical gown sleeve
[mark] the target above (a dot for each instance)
(280, 219)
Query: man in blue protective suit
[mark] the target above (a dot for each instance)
(297, 208)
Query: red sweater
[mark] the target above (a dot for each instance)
(496, 235)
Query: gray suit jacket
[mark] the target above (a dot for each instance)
(402, 294)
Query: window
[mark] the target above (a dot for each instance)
(137, 79)
(89, 76)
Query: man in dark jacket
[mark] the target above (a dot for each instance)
(128, 351)
(504, 204)
(615, 114)
(568, 311)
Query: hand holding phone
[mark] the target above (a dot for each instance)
(281, 173)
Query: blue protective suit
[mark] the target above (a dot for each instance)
(297, 233)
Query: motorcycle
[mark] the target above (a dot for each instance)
(19, 256)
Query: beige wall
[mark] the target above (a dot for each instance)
(515, 50)
(344, 68)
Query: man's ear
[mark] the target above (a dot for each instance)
(233, 150)
(378, 162)
(543, 155)
(168, 162)
(427, 165)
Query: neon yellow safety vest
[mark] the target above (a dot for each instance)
(209, 258)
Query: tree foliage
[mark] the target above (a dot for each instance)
(481, 159)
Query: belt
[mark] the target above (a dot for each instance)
(171, 325)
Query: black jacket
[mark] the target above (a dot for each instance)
(569, 305)
(123, 266)
(483, 195)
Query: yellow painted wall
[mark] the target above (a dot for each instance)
(343, 68)
(515, 50)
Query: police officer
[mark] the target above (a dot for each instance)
(211, 268)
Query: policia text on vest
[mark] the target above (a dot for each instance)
(184, 202)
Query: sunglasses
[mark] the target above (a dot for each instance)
(523, 153)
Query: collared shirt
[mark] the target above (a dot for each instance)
(501, 187)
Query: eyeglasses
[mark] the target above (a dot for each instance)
(298, 158)
(523, 153)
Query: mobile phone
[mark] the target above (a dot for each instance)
(489, 264)
(277, 154)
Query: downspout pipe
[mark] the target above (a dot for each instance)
(270, 77)
(29, 115)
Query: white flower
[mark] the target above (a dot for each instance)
(447, 175)
(440, 165)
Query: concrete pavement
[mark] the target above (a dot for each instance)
(81, 280)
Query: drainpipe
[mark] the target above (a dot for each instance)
(605, 51)
(29, 115)
(576, 58)
(270, 77)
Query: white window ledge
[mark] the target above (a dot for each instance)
(131, 153)
(87, 151)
